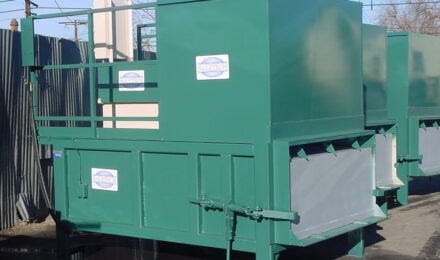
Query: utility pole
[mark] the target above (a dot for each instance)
(75, 24)
(28, 4)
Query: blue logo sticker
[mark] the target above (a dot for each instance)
(132, 80)
(213, 67)
(57, 154)
(105, 179)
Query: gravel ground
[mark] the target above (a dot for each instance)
(413, 232)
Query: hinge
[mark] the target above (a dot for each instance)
(409, 158)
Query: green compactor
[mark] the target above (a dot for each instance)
(245, 132)
(377, 114)
(414, 101)
(402, 104)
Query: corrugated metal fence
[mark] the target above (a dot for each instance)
(62, 92)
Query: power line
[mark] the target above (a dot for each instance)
(59, 7)
(64, 8)
(390, 4)
(9, 19)
(48, 8)
(11, 11)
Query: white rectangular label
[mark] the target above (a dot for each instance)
(132, 80)
(212, 67)
(104, 179)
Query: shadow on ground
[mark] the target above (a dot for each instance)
(40, 244)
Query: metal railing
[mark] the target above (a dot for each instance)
(28, 28)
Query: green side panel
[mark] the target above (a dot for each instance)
(166, 185)
(27, 42)
(229, 110)
(214, 184)
(414, 66)
(398, 91)
(316, 67)
(424, 75)
(154, 189)
(244, 176)
(94, 206)
(397, 77)
(375, 73)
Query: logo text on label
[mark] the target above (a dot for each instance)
(104, 179)
(212, 67)
(132, 80)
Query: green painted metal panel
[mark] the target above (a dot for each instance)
(417, 74)
(316, 67)
(375, 75)
(424, 75)
(184, 98)
(27, 40)
(213, 184)
(96, 206)
(172, 171)
(244, 176)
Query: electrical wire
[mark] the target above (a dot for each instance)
(9, 19)
(59, 7)
(399, 3)
(36, 148)
(11, 11)
(64, 8)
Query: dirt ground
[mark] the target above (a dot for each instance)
(413, 232)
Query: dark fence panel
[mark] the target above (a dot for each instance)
(62, 92)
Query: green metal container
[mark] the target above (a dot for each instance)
(377, 115)
(414, 101)
(258, 141)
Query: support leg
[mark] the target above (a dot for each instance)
(383, 204)
(356, 243)
(268, 253)
(402, 193)
(63, 242)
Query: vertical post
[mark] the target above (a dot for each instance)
(139, 42)
(356, 243)
(27, 8)
(92, 72)
(265, 244)
(75, 25)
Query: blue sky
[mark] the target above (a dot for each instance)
(52, 28)
(48, 27)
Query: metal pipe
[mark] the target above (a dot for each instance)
(94, 11)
